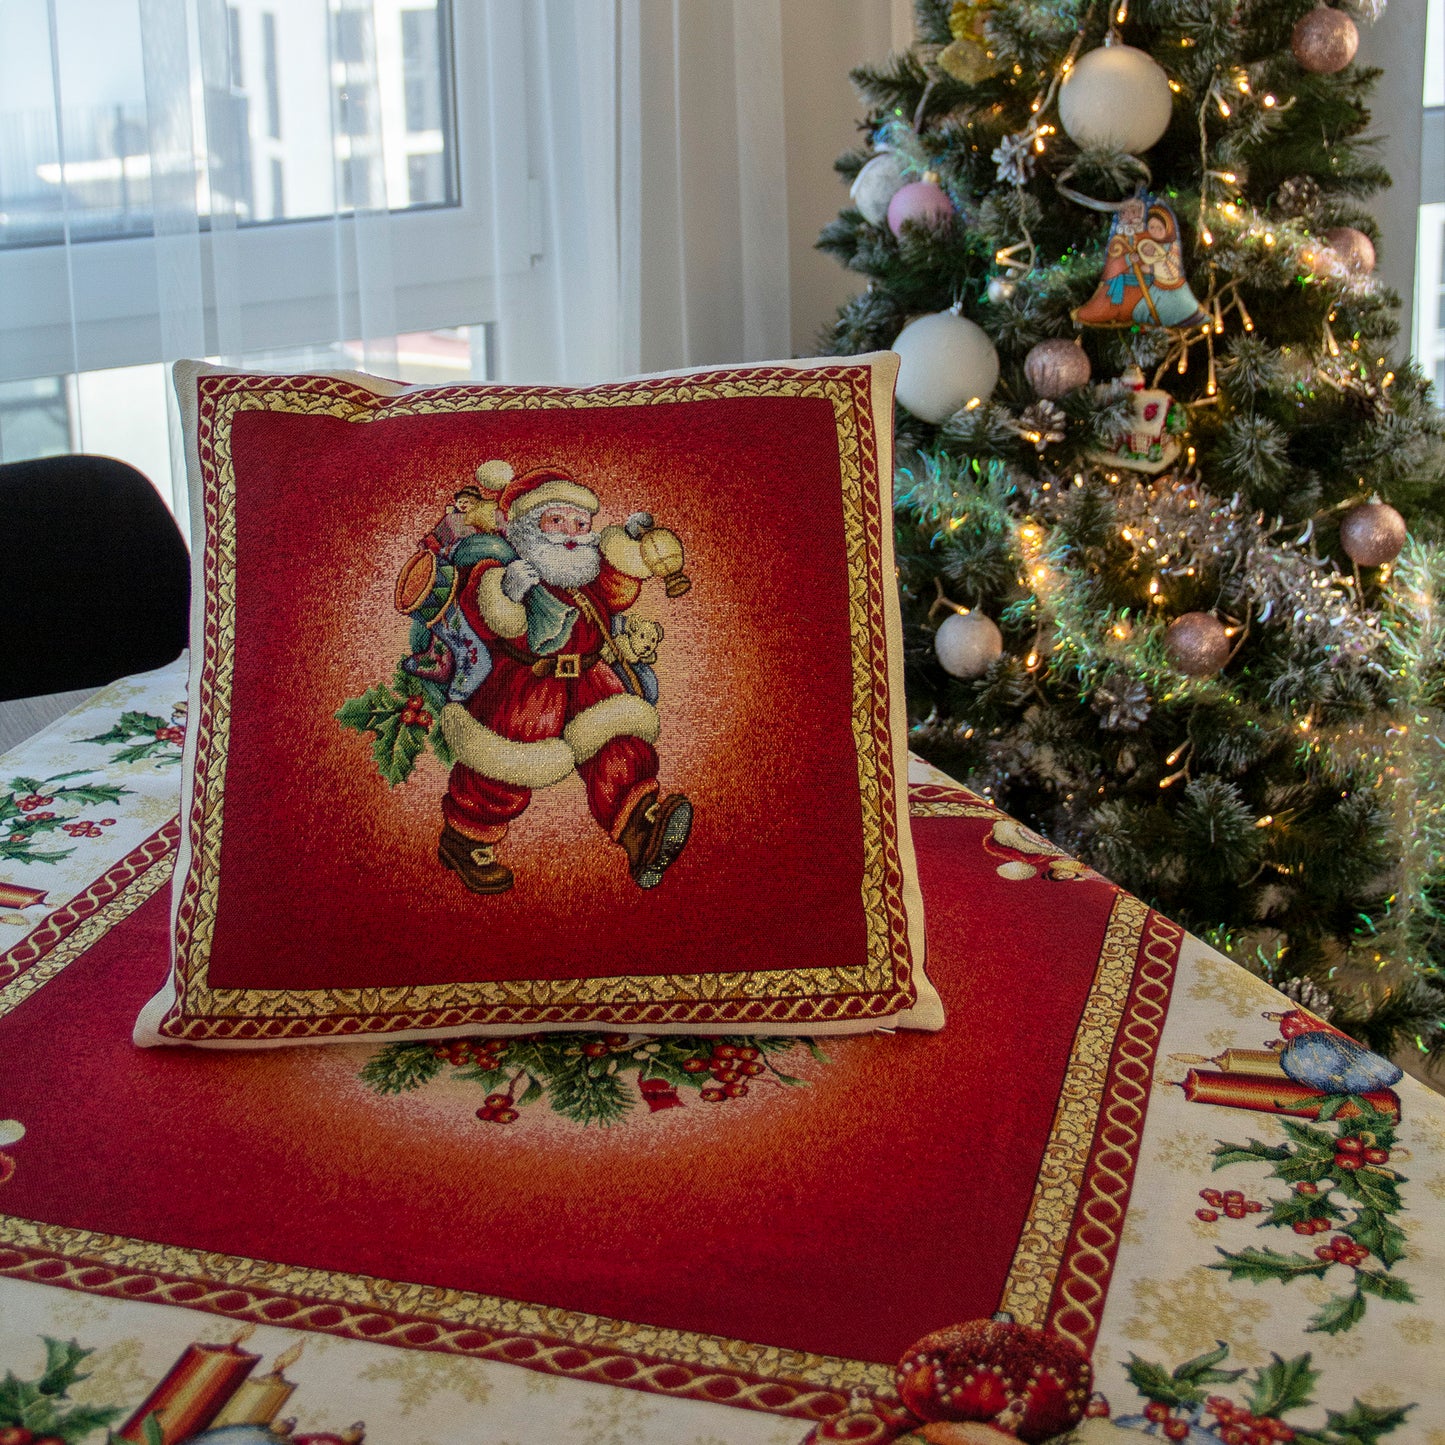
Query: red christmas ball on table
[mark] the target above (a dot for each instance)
(1028, 1382)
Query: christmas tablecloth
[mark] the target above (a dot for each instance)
(1119, 1136)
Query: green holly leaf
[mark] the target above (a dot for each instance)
(151, 1429)
(1266, 1264)
(1339, 1313)
(62, 1361)
(813, 1048)
(89, 794)
(1201, 1369)
(1384, 1286)
(439, 745)
(1377, 1192)
(1283, 1385)
(1296, 1208)
(531, 1093)
(1359, 1425)
(130, 725)
(396, 749)
(1384, 1239)
(398, 1068)
(17, 1398)
(138, 752)
(1331, 1107)
(367, 712)
(1312, 1141)
(24, 853)
(1226, 1154)
(83, 1420)
(1154, 1382)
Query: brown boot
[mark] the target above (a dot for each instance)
(653, 835)
(473, 862)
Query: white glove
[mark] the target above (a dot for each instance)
(518, 579)
(637, 524)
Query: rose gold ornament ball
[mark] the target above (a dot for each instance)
(1324, 40)
(1372, 534)
(1056, 367)
(1196, 644)
(1353, 247)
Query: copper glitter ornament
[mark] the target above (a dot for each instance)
(1372, 534)
(1197, 644)
(1324, 40)
(1056, 367)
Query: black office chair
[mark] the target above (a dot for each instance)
(94, 576)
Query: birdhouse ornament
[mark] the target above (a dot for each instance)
(1143, 282)
(1156, 424)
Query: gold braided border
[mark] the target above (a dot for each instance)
(1042, 1245)
(1083, 1280)
(422, 1317)
(776, 998)
(62, 936)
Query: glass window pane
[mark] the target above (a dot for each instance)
(333, 95)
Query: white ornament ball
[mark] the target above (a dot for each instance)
(876, 184)
(1001, 288)
(967, 643)
(1056, 367)
(1116, 97)
(948, 360)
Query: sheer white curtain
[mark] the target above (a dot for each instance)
(562, 190)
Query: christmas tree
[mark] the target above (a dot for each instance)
(1168, 503)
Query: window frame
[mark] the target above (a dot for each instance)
(93, 305)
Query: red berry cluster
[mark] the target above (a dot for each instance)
(729, 1066)
(608, 1043)
(1239, 1427)
(87, 830)
(1354, 1151)
(19, 1435)
(484, 1053)
(1316, 1225)
(498, 1109)
(1232, 1202)
(31, 801)
(414, 714)
(1172, 1426)
(1343, 1250)
(171, 735)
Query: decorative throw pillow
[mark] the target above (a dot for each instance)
(526, 708)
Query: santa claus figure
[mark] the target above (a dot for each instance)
(543, 602)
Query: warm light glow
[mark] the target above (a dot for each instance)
(1265, 821)
(973, 401)
(1153, 586)
(1269, 238)
(1207, 236)
(1032, 661)
(1127, 535)
(1175, 87)
(1270, 102)
(1224, 109)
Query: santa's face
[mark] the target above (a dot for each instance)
(560, 543)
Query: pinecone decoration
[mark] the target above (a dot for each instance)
(1014, 157)
(1122, 703)
(1308, 994)
(1297, 197)
(1041, 424)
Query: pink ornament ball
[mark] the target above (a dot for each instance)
(1372, 534)
(924, 203)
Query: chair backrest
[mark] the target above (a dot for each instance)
(94, 576)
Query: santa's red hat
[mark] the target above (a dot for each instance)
(544, 487)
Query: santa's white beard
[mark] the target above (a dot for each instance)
(573, 562)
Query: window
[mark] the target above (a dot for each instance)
(1429, 341)
(350, 31)
(273, 76)
(420, 55)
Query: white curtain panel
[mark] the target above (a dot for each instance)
(591, 187)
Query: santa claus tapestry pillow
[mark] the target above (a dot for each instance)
(525, 708)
